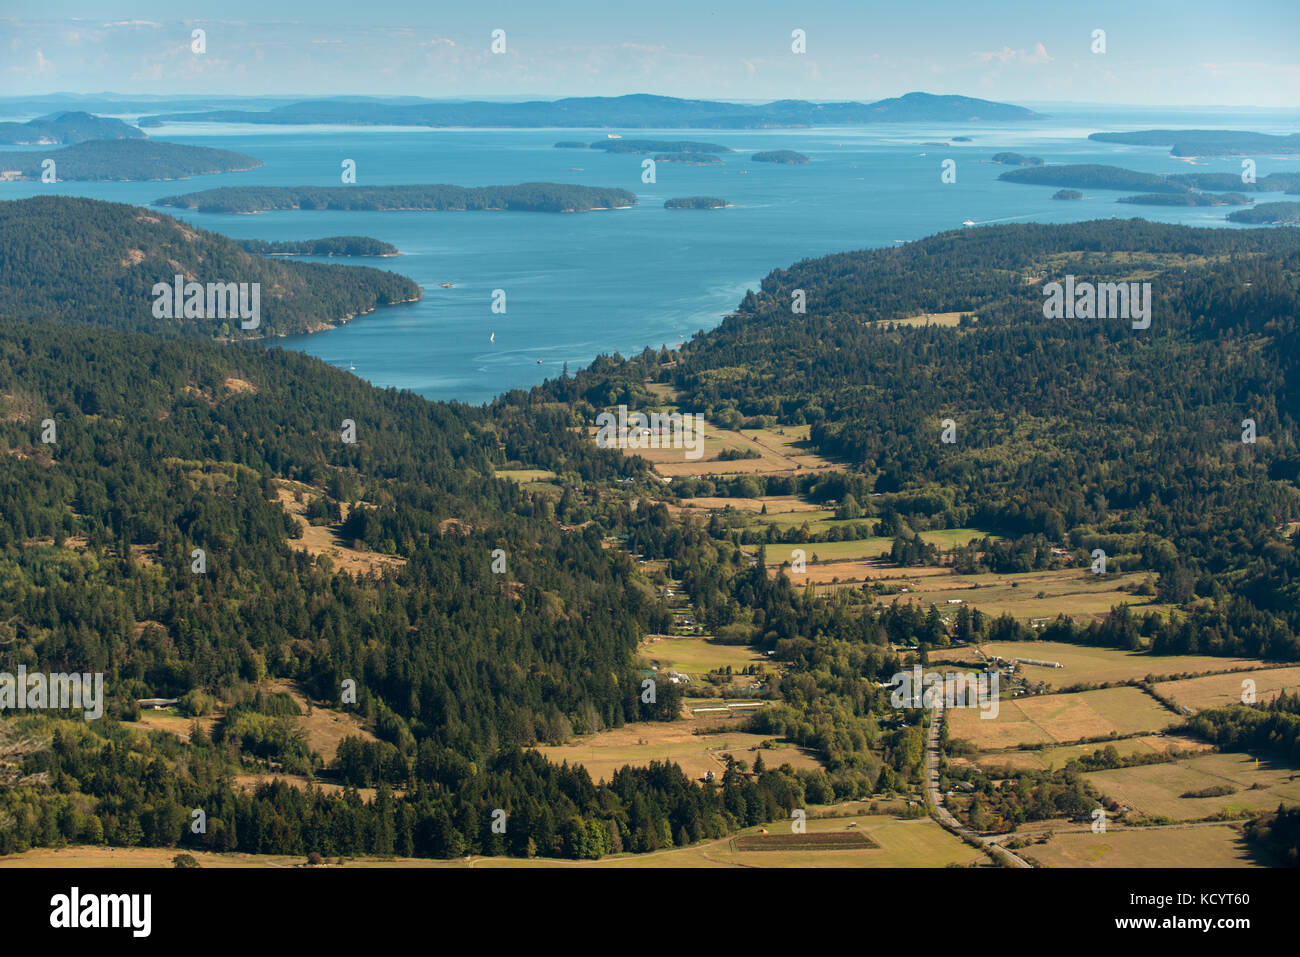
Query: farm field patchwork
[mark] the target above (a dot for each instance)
(1044, 719)
(1071, 591)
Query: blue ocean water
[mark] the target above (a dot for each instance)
(578, 285)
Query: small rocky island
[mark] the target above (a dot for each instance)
(785, 157)
(1015, 159)
(696, 202)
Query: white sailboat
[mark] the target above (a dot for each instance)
(492, 338)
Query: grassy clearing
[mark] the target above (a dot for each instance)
(1155, 790)
(786, 504)
(949, 319)
(854, 572)
(775, 454)
(1214, 691)
(817, 519)
(642, 742)
(875, 547)
(1061, 718)
(324, 727)
(1101, 665)
(318, 540)
(173, 721)
(697, 656)
(1221, 846)
(525, 476)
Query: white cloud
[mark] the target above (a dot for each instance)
(1037, 55)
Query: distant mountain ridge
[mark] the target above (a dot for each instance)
(637, 110)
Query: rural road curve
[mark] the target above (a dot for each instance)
(941, 813)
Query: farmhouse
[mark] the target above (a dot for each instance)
(156, 704)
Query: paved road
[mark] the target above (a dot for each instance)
(941, 813)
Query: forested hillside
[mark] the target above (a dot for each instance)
(82, 260)
(1080, 433)
(162, 447)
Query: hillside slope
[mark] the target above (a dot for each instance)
(83, 260)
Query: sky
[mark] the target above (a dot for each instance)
(1186, 53)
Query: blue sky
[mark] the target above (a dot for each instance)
(1160, 53)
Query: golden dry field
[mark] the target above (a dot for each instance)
(1155, 790)
(1213, 846)
(1062, 718)
(1214, 691)
(1083, 664)
(644, 741)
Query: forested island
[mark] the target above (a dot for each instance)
(1206, 142)
(1067, 194)
(657, 146)
(1174, 189)
(1092, 176)
(127, 161)
(526, 197)
(1187, 199)
(1232, 182)
(1268, 213)
(55, 247)
(689, 159)
(696, 202)
(640, 110)
(1015, 159)
(71, 126)
(329, 246)
(782, 157)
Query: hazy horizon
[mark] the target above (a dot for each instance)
(1157, 56)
